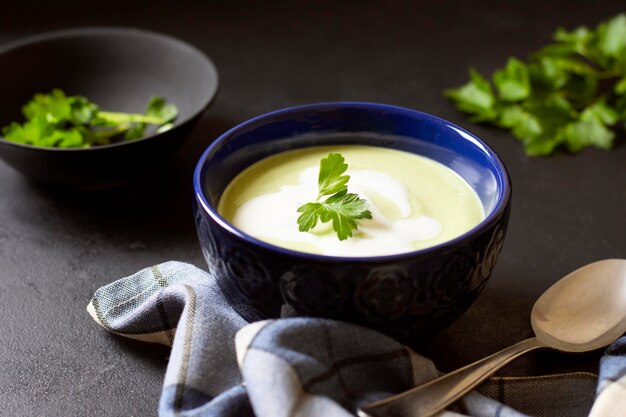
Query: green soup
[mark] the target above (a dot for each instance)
(415, 201)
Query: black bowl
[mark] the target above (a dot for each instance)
(117, 68)
(409, 295)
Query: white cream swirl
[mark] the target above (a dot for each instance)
(273, 217)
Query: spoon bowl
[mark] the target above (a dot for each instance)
(583, 311)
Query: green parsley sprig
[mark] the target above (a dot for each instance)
(342, 208)
(56, 120)
(570, 94)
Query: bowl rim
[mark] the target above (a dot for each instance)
(493, 217)
(88, 31)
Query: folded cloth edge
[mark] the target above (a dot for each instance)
(610, 400)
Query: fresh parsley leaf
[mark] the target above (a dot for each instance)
(579, 37)
(548, 73)
(68, 138)
(569, 94)
(82, 110)
(159, 109)
(588, 132)
(58, 120)
(136, 132)
(601, 111)
(592, 129)
(343, 209)
(512, 81)
(542, 145)
(476, 98)
(54, 106)
(330, 180)
(28, 133)
(310, 215)
(522, 123)
(612, 36)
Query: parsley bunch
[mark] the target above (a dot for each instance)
(569, 94)
(342, 208)
(56, 120)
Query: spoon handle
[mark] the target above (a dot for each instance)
(434, 396)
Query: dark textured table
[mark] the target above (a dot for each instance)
(57, 247)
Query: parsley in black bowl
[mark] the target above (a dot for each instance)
(92, 108)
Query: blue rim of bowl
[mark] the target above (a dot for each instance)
(121, 30)
(503, 181)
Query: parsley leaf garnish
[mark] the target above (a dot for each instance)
(570, 94)
(330, 180)
(343, 209)
(56, 120)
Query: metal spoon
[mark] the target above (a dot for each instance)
(585, 310)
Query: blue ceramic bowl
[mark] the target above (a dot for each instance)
(410, 295)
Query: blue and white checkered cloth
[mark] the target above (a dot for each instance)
(223, 366)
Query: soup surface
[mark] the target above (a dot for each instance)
(415, 201)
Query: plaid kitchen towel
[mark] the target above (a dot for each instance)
(223, 366)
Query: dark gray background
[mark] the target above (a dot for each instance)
(57, 248)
